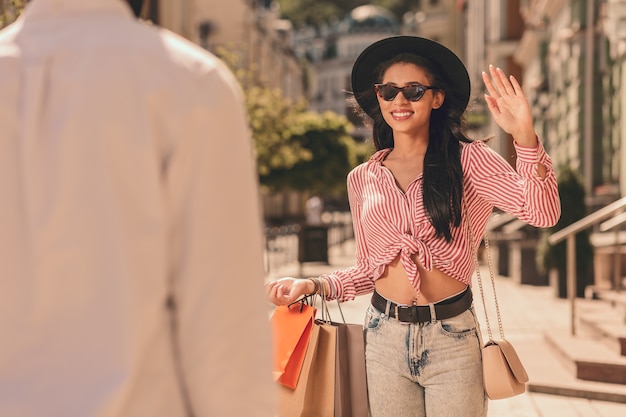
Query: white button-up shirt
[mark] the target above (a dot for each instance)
(126, 177)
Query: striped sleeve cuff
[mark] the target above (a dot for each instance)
(527, 158)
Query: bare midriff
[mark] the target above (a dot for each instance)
(435, 285)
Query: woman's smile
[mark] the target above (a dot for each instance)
(401, 114)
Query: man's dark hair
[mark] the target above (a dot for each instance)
(136, 6)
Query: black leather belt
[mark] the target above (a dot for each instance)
(444, 309)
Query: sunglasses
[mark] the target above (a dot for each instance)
(412, 91)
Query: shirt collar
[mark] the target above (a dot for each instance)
(47, 8)
(380, 155)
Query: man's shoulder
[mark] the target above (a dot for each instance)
(183, 49)
(184, 53)
(192, 58)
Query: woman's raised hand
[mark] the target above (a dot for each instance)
(287, 290)
(509, 107)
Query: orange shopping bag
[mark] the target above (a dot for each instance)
(291, 327)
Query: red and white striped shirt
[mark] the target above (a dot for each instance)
(388, 221)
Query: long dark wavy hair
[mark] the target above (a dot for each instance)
(443, 174)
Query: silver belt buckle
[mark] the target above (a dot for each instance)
(398, 315)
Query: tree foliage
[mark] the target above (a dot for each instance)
(296, 149)
(273, 120)
(10, 10)
(333, 152)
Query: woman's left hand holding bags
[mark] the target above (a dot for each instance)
(287, 290)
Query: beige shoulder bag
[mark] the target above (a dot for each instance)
(503, 372)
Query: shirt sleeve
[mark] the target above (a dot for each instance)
(521, 192)
(347, 283)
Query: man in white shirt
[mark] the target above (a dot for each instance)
(131, 277)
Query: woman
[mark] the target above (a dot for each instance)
(419, 207)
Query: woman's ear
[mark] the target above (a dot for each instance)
(438, 99)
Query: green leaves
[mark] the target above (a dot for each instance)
(273, 121)
(331, 151)
(296, 149)
(313, 12)
(10, 10)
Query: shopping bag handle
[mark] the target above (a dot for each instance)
(325, 312)
(311, 300)
(308, 300)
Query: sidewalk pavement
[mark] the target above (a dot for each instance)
(528, 312)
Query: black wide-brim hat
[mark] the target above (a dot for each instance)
(448, 65)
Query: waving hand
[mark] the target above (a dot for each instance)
(509, 107)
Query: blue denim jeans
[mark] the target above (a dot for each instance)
(425, 369)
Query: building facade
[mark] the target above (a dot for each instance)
(493, 29)
(251, 29)
(573, 79)
(571, 58)
(613, 15)
(331, 51)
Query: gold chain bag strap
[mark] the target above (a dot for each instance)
(503, 372)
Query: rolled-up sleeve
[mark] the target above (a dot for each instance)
(521, 192)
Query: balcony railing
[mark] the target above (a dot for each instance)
(281, 243)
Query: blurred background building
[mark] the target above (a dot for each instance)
(250, 28)
(330, 49)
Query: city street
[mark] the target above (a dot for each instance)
(528, 312)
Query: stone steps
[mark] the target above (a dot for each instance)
(608, 327)
(588, 358)
(551, 373)
(604, 318)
